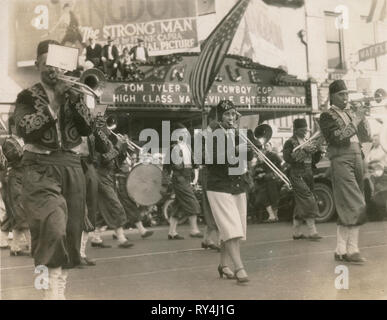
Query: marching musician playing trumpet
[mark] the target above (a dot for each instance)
(344, 131)
(51, 118)
(301, 163)
(110, 209)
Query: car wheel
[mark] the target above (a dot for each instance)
(168, 208)
(324, 197)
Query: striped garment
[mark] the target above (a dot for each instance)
(213, 53)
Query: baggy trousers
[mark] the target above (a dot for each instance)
(54, 195)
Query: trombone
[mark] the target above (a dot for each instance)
(263, 134)
(91, 81)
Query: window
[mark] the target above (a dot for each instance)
(334, 40)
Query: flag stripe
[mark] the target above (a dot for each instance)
(213, 53)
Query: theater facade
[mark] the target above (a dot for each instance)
(160, 90)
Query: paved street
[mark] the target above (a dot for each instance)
(157, 268)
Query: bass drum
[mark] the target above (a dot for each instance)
(144, 184)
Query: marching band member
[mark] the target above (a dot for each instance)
(51, 118)
(227, 195)
(87, 151)
(13, 151)
(186, 202)
(301, 163)
(133, 211)
(344, 131)
(96, 142)
(269, 190)
(110, 209)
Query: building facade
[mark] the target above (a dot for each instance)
(311, 39)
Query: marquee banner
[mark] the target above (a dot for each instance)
(165, 26)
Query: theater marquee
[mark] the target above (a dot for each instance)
(249, 86)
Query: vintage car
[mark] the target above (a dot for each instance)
(375, 189)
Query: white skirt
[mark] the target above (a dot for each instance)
(229, 213)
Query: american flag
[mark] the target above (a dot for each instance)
(213, 53)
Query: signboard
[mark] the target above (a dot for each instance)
(247, 86)
(165, 26)
(373, 51)
(244, 95)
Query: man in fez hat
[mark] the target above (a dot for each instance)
(55, 209)
(344, 132)
(301, 163)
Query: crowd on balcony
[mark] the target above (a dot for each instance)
(111, 61)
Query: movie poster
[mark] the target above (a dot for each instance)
(166, 27)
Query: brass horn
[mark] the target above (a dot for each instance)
(93, 78)
(92, 82)
(263, 133)
(379, 95)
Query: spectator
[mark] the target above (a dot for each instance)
(139, 52)
(125, 63)
(110, 59)
(377, 154)
(93, 52)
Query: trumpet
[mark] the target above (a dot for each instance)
(90, 82)
(310, 141)
(365, 102)
(130, 143)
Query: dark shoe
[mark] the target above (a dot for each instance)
(355, 258)
(210, 246)
(125, 245)
(205, 245)
(175, 237)
(341, 257)
(100, 245)
(19, 253)
(87, 262)
(314, 237)
(270, 220)
(228, 275)
(214, 247)
(196, 235)
(147, 234)
(240, 280)
(301, 236)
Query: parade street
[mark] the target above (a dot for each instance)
(160, 269)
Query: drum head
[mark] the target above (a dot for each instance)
(144, 184)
